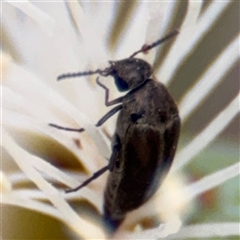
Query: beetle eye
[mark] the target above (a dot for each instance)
(120, 83)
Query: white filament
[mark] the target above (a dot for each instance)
(210, 132)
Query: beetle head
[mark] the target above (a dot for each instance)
(129, 73)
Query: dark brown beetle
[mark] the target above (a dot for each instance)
(145, 139)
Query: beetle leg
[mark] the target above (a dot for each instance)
(108, 115)
(99, 123)
(66, 128)
(85, 183)
(107, 102)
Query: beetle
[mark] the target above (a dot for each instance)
(145, 139)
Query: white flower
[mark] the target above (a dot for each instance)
(42, 40)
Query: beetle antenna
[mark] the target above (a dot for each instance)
(76, 74)
(148, 47)
(104, 72)
(107, 71)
